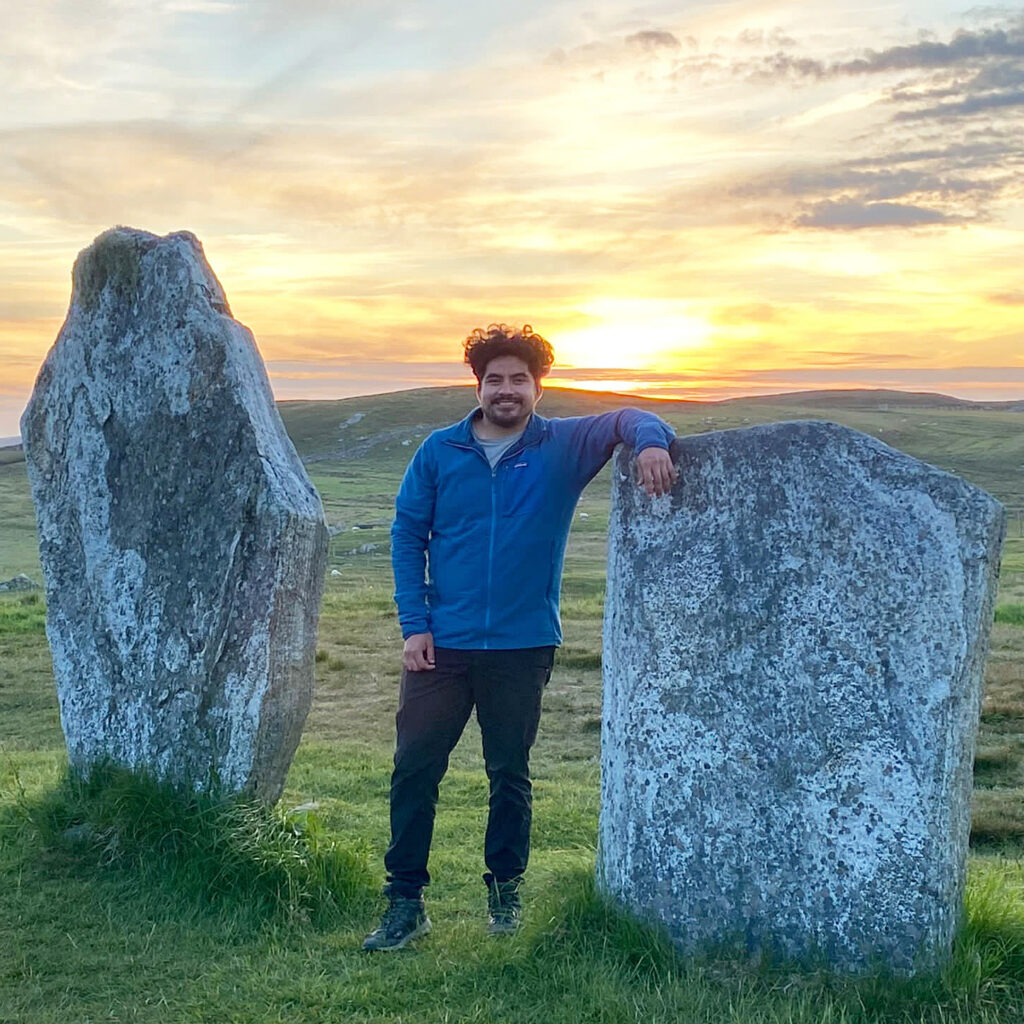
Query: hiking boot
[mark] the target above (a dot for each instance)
(404, 920)
(504, 911)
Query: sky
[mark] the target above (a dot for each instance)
(694, 200)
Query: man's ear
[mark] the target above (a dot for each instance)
(540, 390)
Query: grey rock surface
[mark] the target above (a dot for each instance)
(19, 582)
(183, 546)
(794, 648)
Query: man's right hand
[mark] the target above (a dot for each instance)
(418, 652)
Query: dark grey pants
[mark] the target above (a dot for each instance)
(433, 708)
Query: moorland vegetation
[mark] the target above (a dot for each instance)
(121, 902)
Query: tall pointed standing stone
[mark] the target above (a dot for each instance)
(794, 649)
(183, 545)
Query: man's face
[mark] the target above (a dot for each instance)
(507, 393)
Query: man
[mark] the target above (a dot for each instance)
(481, 522)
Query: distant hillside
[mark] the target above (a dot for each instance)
(358, 448)
(348, 427)
(983, 442)
(11, 450)
(324, 429)
(876, 398)
(864, 398)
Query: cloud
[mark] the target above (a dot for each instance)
(965, 107)
(834, 358)
(651, 39)
(1003, 75)
(759, 38)
(852, 215)
(955, 153)
(613, 50)
(879, 185)
(915, 165)
(943, 146)
(964, 47)
(909, 376)
(880, 192)
(992, 51)
(1006, 298)
(974, 72)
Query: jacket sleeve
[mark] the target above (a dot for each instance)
(594, 437)
(410, 531)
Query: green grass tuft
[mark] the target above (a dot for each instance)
(983, 979)
(580, 923)
(23, 614)
(1013, 614)
(218, 854)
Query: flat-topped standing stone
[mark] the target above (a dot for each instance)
(794, 646)
(183, 545)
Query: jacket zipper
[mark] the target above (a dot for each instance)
(490, 552)
(512, 452)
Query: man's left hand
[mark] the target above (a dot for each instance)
(655, 472)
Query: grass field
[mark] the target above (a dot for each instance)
(90, 933)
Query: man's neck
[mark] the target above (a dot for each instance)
(488, 431)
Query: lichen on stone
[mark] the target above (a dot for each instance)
(111, 262)
(794, 648)
(182, 543)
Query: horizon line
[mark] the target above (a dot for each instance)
(15, 440)
(603, 393)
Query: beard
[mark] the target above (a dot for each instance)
(505, 416)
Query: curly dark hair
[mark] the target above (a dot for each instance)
(501, 340)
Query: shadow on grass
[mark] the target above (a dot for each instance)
(997, 828)
(201, 852)
(982, 980)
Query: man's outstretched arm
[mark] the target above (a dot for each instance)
(595, 438)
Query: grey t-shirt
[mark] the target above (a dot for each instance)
(496, 448)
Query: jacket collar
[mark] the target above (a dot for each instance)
(462, 434)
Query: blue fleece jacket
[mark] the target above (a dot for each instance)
(494, 540)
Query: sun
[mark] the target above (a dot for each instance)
(632, 334)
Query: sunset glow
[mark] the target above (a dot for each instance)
(638, 334)
(687, 200)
